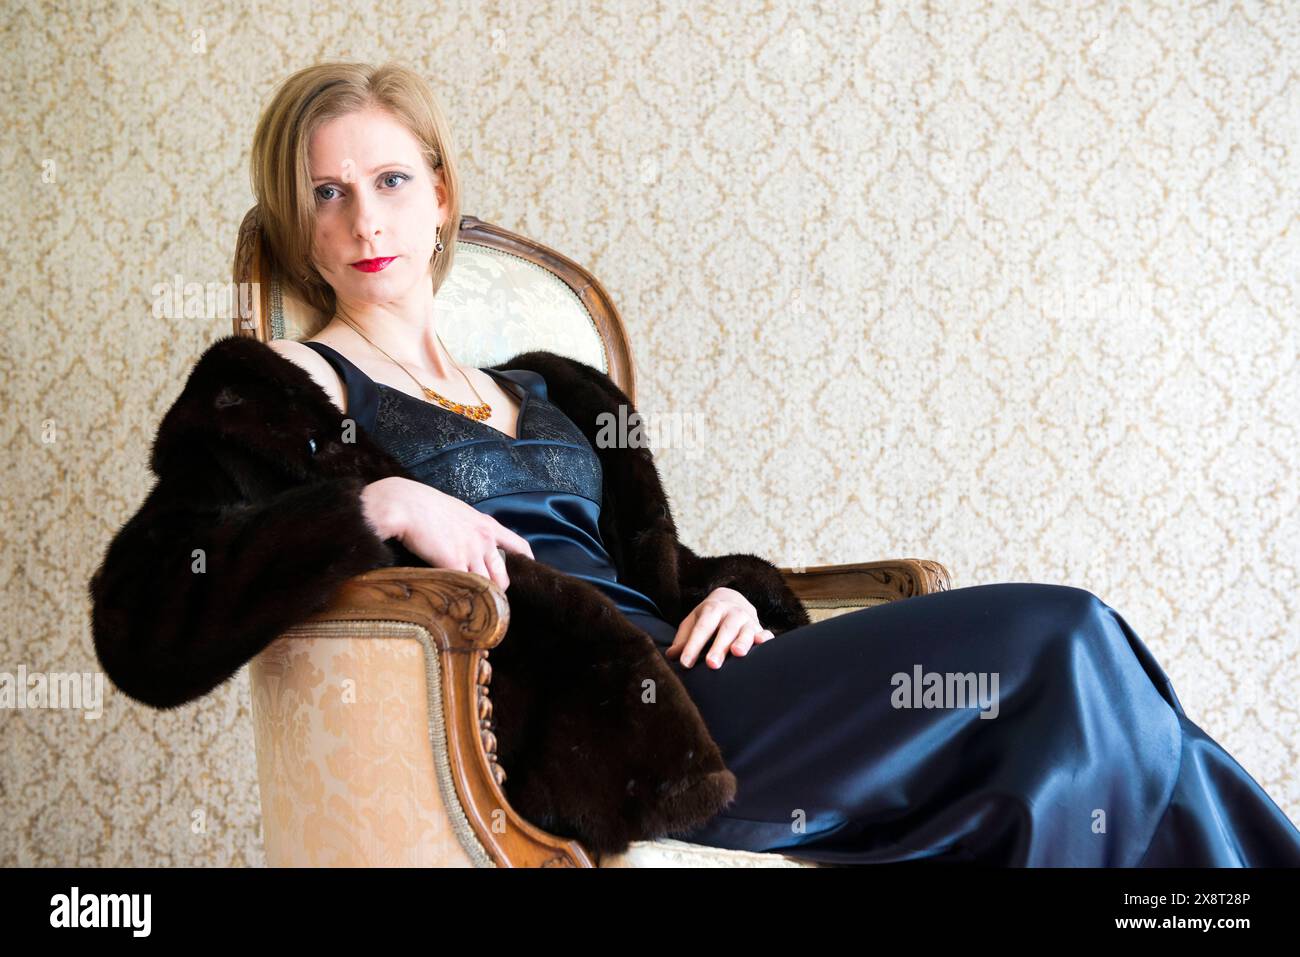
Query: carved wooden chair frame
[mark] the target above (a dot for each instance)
(459, 618)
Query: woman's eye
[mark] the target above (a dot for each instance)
(401, 177)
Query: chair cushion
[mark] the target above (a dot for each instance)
(820, 609)
(667, 852)
(495, 305)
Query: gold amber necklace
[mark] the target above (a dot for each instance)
(479, 413)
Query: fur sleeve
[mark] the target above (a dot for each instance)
(203, 577)
(758, 579)
(636, 521)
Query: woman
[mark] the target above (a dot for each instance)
(1019, 723)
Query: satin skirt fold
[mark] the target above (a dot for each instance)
(1014, 724)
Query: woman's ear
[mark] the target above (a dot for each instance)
(444, 201)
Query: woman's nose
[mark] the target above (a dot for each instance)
(365, 211)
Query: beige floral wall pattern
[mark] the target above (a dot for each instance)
(1011, 286)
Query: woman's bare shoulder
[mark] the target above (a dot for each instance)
(315, 366)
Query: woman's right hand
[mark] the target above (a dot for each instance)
(441, 529)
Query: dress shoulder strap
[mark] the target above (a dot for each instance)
(363, 393)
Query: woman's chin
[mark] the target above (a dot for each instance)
(374, 288)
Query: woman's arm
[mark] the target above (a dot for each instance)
(264, 504)
(758, 579)
(203, 577)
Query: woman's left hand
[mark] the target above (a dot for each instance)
(729, 619)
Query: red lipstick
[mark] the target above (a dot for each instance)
(372, 265)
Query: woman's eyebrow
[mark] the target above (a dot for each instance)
(317, 179)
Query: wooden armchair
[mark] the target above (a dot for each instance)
(371, 718)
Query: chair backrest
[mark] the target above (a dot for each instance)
(505, 294)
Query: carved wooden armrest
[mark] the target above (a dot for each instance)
(457, 617)
(862, 584)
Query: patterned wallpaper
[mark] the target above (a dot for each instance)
(1011, 286)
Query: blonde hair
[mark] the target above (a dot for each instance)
(281, 176)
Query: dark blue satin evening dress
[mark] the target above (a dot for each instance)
(1074, 751)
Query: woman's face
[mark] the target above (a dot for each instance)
(375, 199)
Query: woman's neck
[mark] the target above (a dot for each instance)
(409, 339)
